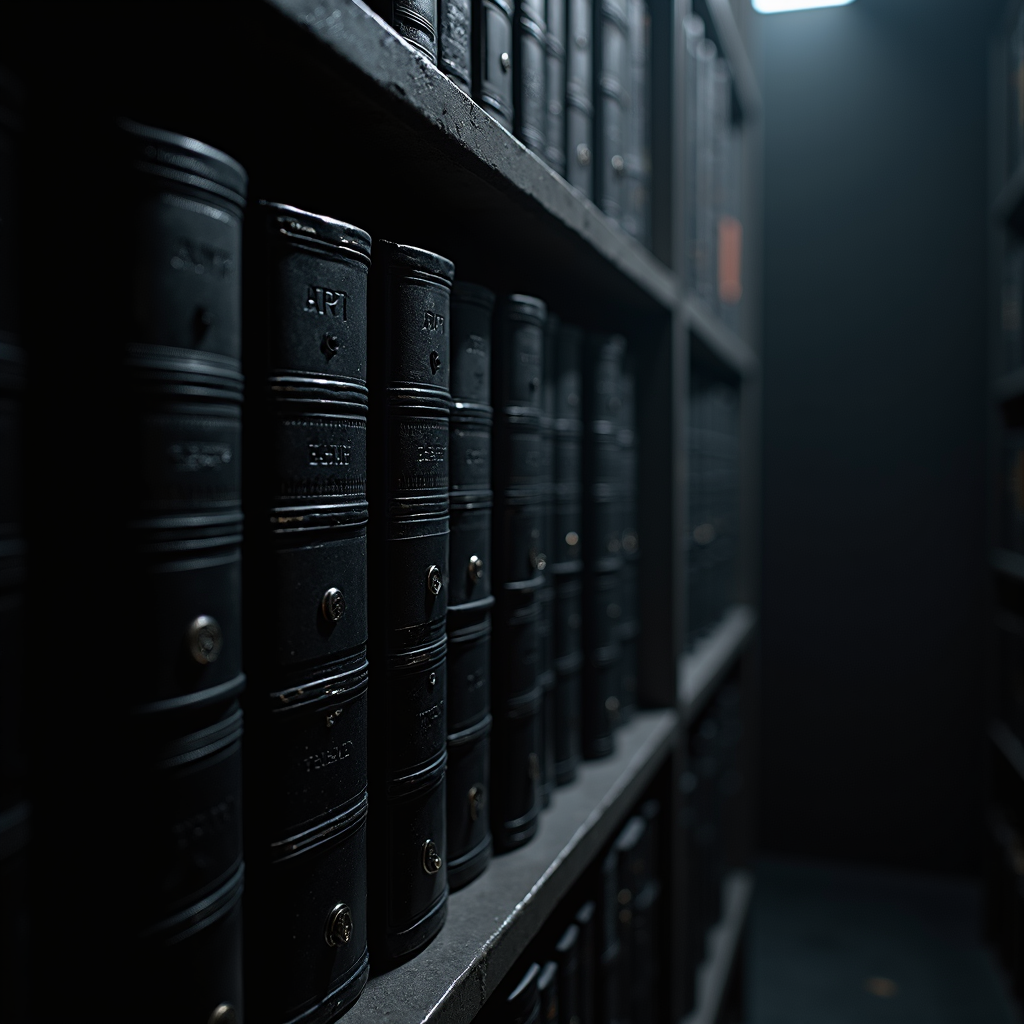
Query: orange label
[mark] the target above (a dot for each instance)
(730, 259)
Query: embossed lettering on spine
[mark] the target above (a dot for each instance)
(519, 561)
(409, 588)
(306, 428)
(182, 204)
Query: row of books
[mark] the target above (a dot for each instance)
(428, 618)
(712, 785)
(713, 502)
(571, 78)
(605, 967)
(714, 183)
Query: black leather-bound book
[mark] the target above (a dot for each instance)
(305, 431)
(546, 595)
(409, 361)
(180, 347)
(470, 598)
(455, 38)
(554, 150)
(518, 508)
(636, 130)
(628, 630)
(530, 74)
(602, 532)
(587, 958)
(493, 78)
(565, 549)
(610, 69)
(414, 20)
(579, 96)
(633, 867)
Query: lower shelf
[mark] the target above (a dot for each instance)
(491, 921)
(723, 943)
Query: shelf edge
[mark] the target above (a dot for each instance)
(702, 670)
(723, 942)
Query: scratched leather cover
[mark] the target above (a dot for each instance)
(410, 901)
(493, 86)
(316, 752)
(414, 20)
(469, 833)
(310, 875)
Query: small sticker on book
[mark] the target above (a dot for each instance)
(730, 259)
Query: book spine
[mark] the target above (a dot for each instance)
(470, 597)
(693, 32)
(307, 568)
(704, 172)
(493, 78)
(610, 967)
(628, 629)
(414, 20)
(546, 674)
(530, 74)
(516, 697)
(610, 70)
(180, 355)
(554, 151)
(408, 590)
(567, 956)
(602, 534)
(565, 553)
(579, 96)
(455, 18)
(636, 177)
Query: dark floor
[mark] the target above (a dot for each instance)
(849, 945)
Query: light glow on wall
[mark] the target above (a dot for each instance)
(778, 6)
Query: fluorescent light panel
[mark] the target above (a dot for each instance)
(778, 6)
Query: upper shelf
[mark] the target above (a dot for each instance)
(721, 341)
(466, 167)
(492, 921)
(704, 667)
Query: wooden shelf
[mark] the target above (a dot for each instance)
(723, 943)
(1009, 563)
(491, 921)
(703, 669)
(470, 166)
(723, 343)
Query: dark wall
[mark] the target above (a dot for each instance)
(874, 430)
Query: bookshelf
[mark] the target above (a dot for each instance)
(355, 123)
